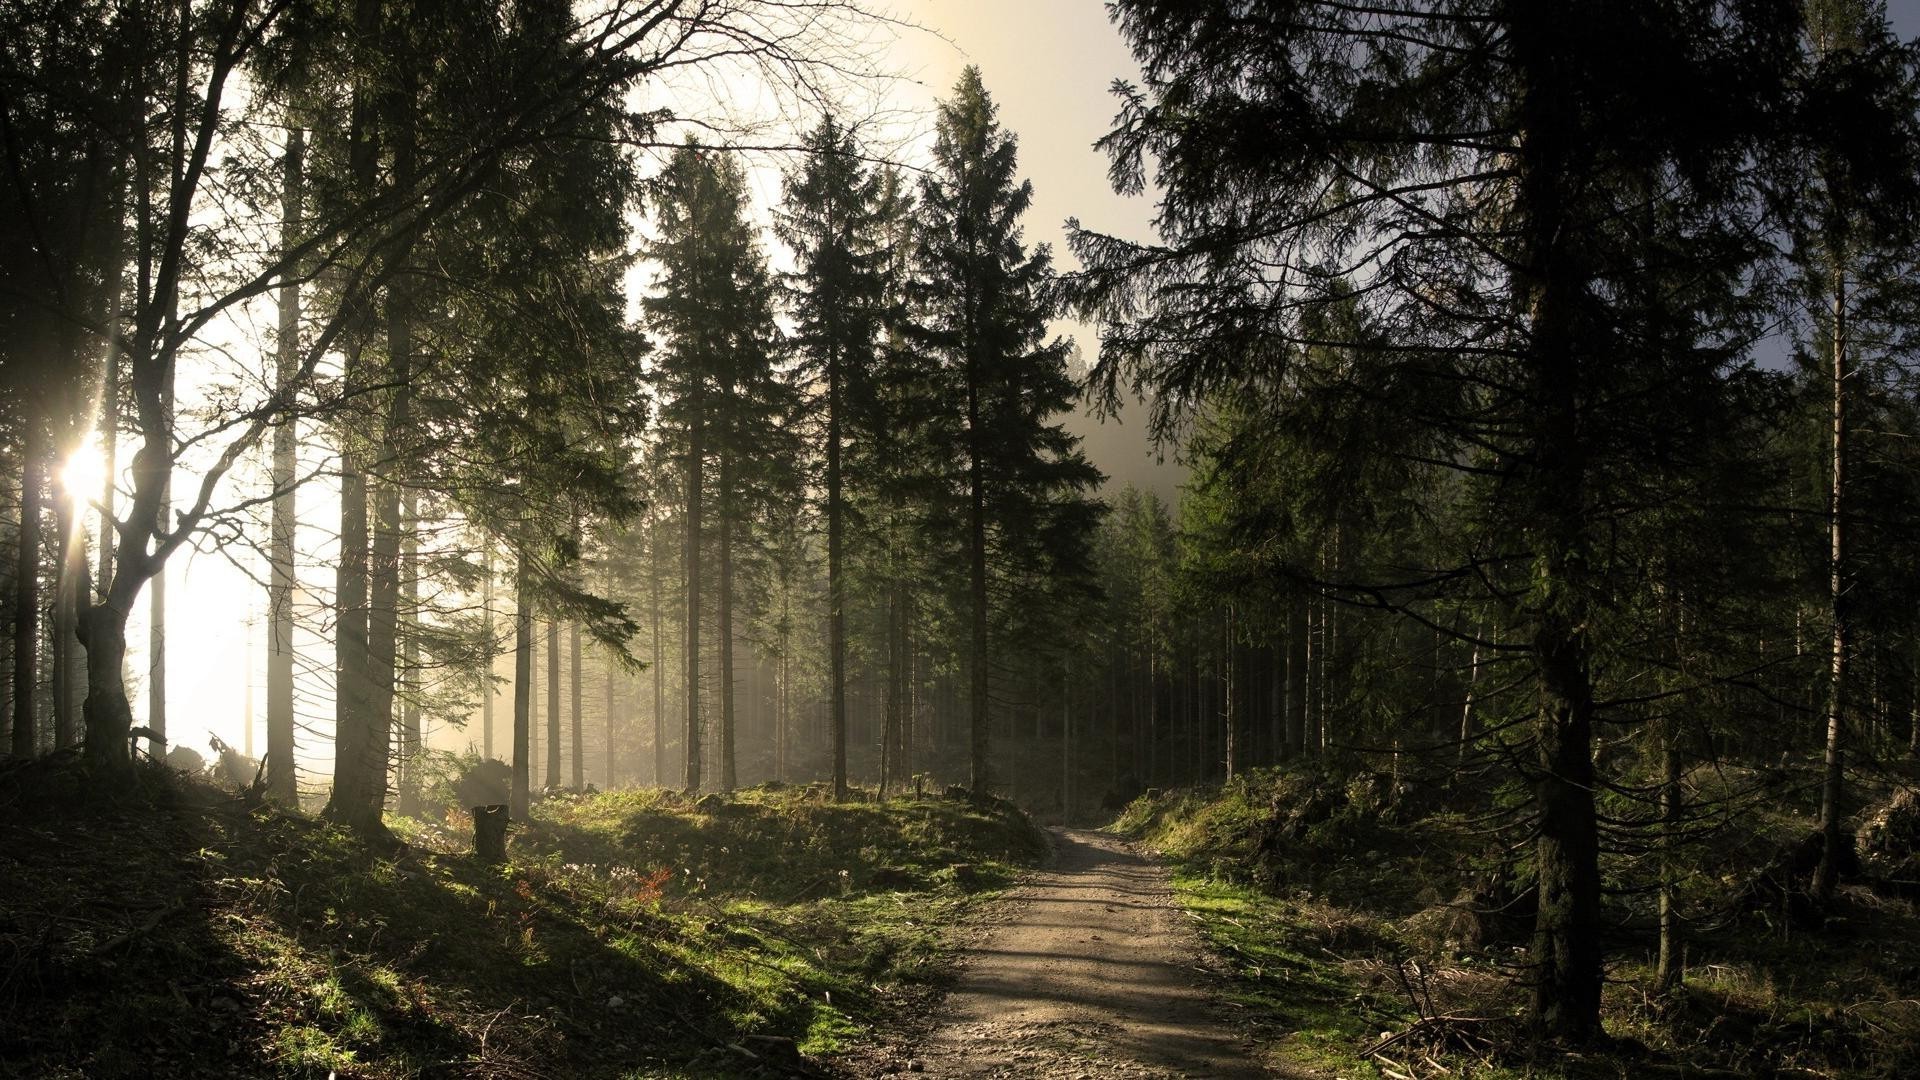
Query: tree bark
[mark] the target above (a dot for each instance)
(1826, 873)
(410, 733)
(69, 578)
(282, 785)
(729, 776)
(522, 797)
(613, 759)
(553, 704)
(26, 591)
(573, 703)
(659, 672)
(359, 778)
(977, 658)
(486, 621)
(157, 588)
(836, 588)
(696, 461)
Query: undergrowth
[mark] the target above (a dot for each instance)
(171, 929)
(1368, 939)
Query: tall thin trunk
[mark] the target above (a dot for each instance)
(284, 576)
(1466, 705)
(383, 562)
(1066, 751)
(613, 758)
(26, 592)
(522, 797)
(696, 462)
(69, 577)
(1667, 971)
(836, 588)
(573, 704)
(1235, 747)
(977, 658)
(157, 592)
(729, 776)
(359, 768)
(553, 704)
(1827, 873)
(411, 743)
(659, 672)
(891, 755)
(486, 623)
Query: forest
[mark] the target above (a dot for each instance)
(690, 616)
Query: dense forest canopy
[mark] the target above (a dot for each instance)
(1544, 373)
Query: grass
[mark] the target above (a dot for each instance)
(1339, 921)
(172, 930)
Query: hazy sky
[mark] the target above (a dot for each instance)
(1049, 65)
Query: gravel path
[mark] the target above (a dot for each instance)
(1086, 970)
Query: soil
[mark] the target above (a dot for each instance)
(1088, 969)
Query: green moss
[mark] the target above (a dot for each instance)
(628, 934)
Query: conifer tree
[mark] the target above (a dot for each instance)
(984, 301)
(714, 315)
(830, 220)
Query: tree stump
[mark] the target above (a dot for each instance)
(490, 833)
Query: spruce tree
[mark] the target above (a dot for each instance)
(714, 315)
(984, 301)
(831, 222)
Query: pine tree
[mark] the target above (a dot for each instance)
(714, 315)
(831, 221)
(984, 301)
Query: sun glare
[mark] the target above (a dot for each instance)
(84, 475)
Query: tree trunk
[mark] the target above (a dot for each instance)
(486, 621)
(282, 783)
(836, 589)
(157, 588)
(358, 776)
(1235, 741)
(613, 758)
(1549, 282)
(553, 705)
(1827, 873)
(26, 591)
(659, 673)
(891, 741)
(977, 658)
(1467, 703)
(522, 797)
(69, 580)
(1667, 970)
(729, 776)
(695, 466)
(573, 702)
(409, 630)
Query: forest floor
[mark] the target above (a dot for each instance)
(174, 928)
(1088, 969)
(1367, 939)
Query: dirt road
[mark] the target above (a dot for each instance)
(1087, 970)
